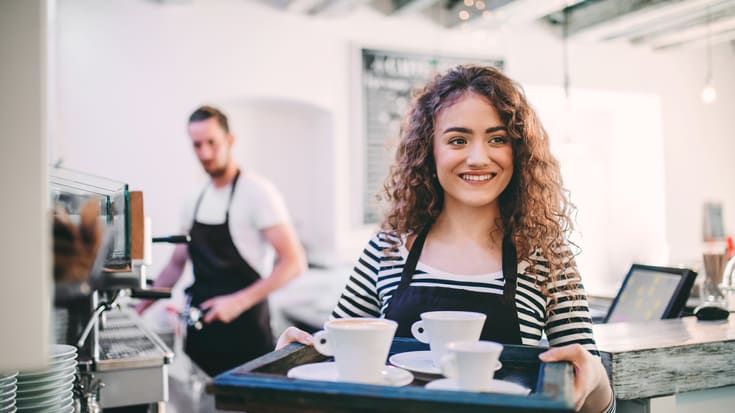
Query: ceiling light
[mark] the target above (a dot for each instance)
(469, 3)
(709, 94)
(464, 15)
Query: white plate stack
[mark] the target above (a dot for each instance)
(7, 392)
(50, 390)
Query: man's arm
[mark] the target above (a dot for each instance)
(170, 273)
(291, 262)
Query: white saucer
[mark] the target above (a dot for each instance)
(496, 386)
(60, 351)
(327, 371)
(420, 362)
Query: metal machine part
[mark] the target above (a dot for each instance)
(132, 361)
(728, 277)
(121, 362)
(87, 390)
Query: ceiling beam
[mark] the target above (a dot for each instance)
(507, 11)
(709, 16)
(451, 15)
(722, 28)
(314, 7)
(644, 20)
(674, 23)
(588, 15)
(404, 7)
(335, 6)
(297, 6)
(700, 43)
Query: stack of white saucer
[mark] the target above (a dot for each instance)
(7, 392)
(49, 390)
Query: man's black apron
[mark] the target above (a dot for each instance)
(219, 269)
(408, 302)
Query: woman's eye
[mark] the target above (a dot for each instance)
(457, 141)
(498, 139)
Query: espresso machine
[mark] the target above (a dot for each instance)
(122, 363)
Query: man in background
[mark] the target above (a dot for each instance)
(237, 224)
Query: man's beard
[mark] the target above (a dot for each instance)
(218, 172)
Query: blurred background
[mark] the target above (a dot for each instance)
(619, 88)
(638, 97)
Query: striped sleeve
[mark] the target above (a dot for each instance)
(568, 318)
(360, 295)
(612, 407)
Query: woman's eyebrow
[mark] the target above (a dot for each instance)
(457, 129)
(467, 130)
(496, 129)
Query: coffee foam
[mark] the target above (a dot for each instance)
(359, 323)
(451, 315)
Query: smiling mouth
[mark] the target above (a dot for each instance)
(477, 178)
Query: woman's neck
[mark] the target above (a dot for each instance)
(469, 224)
(465, 241)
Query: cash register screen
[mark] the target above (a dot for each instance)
(648, 294)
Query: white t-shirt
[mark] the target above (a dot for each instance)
(256, 205)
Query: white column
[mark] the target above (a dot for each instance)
(25, 271)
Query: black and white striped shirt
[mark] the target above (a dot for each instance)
(563, 319)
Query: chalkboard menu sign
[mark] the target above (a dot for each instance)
(388, 78)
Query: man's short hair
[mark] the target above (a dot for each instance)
(206, 112)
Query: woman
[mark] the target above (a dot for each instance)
(477, 221)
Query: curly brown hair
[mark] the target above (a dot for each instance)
(535, 209)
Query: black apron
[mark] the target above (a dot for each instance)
(219, 269)
(408, 302)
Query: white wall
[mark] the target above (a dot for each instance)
(130, 71)
(288, 142)
(615, 174)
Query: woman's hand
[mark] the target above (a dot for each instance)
(592, 391)
(293, 334)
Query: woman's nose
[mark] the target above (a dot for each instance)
(478, 155)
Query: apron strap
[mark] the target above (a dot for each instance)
(510, 265)
(232, 194)
(229, 202)
(510, 269)
(413, 258)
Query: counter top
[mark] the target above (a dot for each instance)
(621, 337)
(663, 357)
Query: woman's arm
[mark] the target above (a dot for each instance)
(569, 330)
(359, 297)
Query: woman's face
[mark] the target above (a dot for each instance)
(473, 153)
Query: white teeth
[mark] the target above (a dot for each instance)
(468, 177)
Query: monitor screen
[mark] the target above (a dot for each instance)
(651, 293)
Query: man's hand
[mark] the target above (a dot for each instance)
(225, 308)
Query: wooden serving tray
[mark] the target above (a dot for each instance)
(261, 385)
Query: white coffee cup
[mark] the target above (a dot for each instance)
(471, 363)
(360, 347)
(440, 327)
